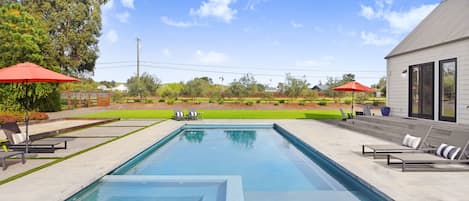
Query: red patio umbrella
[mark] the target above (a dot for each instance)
(29, 73)
(353, 87)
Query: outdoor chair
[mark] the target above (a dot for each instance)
(193, 115)
(178, 115)
(345, 116)
(5, 155)
(18, 140)
(409, 144)
(367, 110)
(452, 151)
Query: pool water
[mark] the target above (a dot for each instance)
(270, 166)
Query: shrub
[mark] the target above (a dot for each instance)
(198, 102)
(281, 101)
(8, 118)
(161, 100)
(302, 103)
(136, 100)
(249, 103)
(323, 102)
(185, 100)
(210, 101)
(221, 101)
(348, 101)
(275, 104)
(51, 103)
(170, 101)
(149, 101)
(258, 101)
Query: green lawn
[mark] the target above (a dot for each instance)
(221, 114)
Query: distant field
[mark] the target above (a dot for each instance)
(221, 114)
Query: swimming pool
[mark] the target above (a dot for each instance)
(254, 163)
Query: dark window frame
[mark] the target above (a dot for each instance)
(440, 94)
(409, 70)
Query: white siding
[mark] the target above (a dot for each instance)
(397, 90)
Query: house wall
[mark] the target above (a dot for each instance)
(397, 85)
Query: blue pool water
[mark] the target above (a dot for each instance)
(271, 168)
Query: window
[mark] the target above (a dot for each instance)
(447, 90)
(421, 90)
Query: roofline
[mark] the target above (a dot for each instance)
(428, 47)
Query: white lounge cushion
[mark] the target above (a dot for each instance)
(18, 138)
(411, 141)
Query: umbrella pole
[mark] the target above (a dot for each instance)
(353, 96)
(26, 120)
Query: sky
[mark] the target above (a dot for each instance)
(225, 39)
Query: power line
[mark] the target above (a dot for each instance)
(314, 69)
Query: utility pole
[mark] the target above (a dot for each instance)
(138, 69)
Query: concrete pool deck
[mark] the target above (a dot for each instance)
(63, 179)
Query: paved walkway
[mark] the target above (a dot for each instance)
(60, 181)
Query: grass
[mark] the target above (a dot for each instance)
(221, 114)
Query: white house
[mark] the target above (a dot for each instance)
(428, 71)
(120, 87)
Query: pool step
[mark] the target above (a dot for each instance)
(299, 195)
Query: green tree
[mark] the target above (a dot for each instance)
(381, 85)
(197, 87)
(145, 85)
(246, 86)
(23, 39)
(293, 87)
(73, 27)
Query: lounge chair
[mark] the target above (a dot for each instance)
(345, 116)
(399, 148)
(5, 155)
(367, 110)
(456, 153)
(193, 115)
(178, 115)
(18, 140)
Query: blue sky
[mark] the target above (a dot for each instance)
(268, 38)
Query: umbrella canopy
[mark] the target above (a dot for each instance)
(30, 72)
(353, 87)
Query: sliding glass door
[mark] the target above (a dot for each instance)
(447, 97)
(421, 91)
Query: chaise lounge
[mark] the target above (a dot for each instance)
(453, 151)
(409, 144)
(178, 115)
(18, 140)
(5, 155)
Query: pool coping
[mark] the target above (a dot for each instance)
(340, 145)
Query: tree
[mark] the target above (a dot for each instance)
(381, 85)
(197, 87)
(335, 82)
(23, 39)
(246, 86)
(145, 85)
(293, 86)
(73, 27)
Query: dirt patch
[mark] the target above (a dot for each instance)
(230, 106)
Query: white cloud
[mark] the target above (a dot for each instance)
(320, 62)
(398, 21)
(368, 12)
(166, 52)
(112, 36)
(210, 57)
(128, 3)
(166, 20)
(109, 5)
(251, 5)
(216, 8)
(123, 17)
(401, 22)
(373, 39)
(296, 25)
